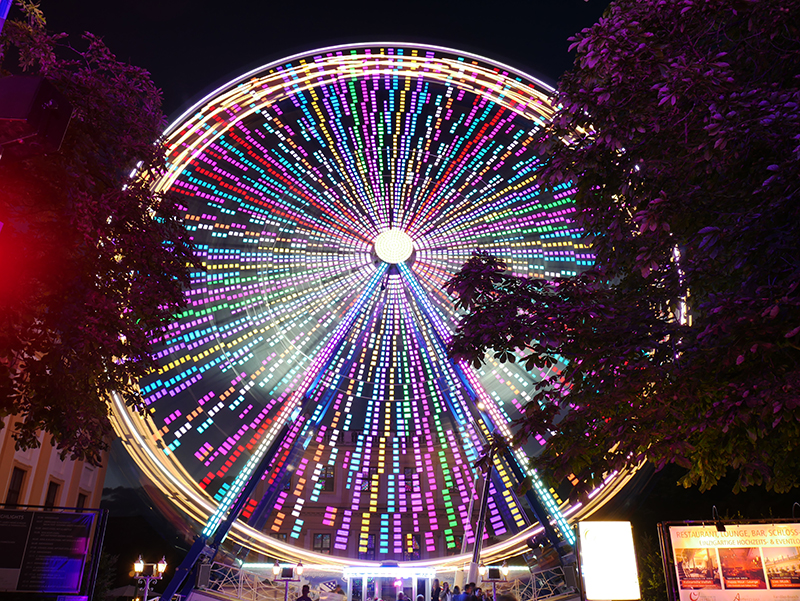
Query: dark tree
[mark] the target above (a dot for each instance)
(680, 124)
(92, 261)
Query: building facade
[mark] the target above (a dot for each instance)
(40, 477)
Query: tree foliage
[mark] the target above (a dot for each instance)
(650, 566)
(680, 125)
(93, 262)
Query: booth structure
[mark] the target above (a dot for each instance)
(386, 579)
(360, 582)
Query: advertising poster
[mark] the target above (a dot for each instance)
(698, 568)
(43, 552)
(783, 567)
(746, 562)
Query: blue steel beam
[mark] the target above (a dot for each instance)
(244, 484)
(536, 504)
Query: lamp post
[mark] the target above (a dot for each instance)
(482, 572)
(494, 576)
(146, 573)
(277, 570)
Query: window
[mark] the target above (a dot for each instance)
(322, 543)
(15, 486)
(52, 494)
(326, 477)
(366, 547)
(281, 536)
(81, 502)
(287, 484)
(367, 483)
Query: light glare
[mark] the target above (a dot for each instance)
(608, 561)
(394, 246)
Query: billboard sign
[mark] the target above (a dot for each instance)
(737, 562)
(44, 551)
(608, 561)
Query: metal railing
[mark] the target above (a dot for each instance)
(235, 583)
(241, 585)
(544, 584)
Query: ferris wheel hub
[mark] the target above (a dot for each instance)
(394, 246)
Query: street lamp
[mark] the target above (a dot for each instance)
(148, 572)
(286, 576)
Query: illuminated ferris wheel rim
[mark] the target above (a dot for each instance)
(520, 92)
(172, 479)
(167, 472)
(340, 47)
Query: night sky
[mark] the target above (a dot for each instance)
(192, 47)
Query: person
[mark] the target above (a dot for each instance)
(338, 594)
(457, 594)
(469, 591)
(445, 595)
(304, 596)
(436, 590)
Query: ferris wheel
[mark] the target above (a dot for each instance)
(331, 195)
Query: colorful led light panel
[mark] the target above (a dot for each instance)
(289, 177)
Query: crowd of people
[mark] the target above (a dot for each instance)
(470, 593)
(438, 592)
